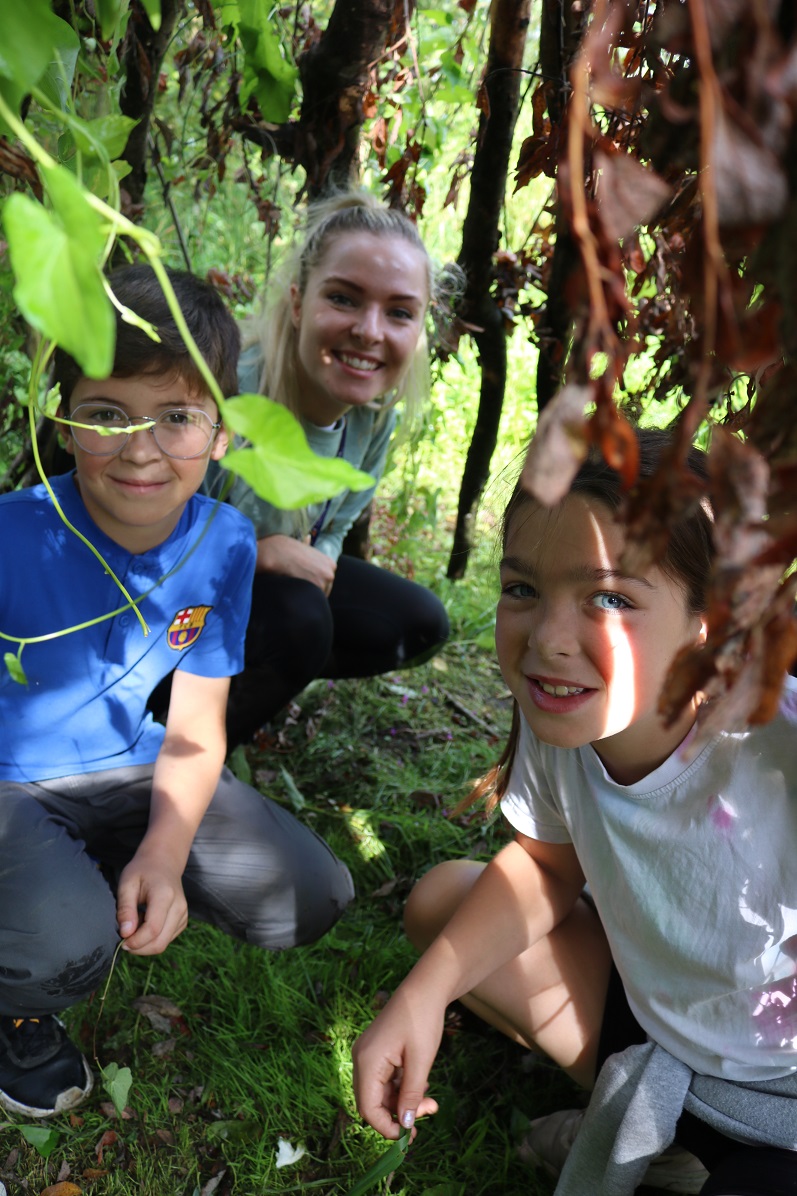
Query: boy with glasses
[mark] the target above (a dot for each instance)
(112, 826)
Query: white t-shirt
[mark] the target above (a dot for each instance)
(693, 871)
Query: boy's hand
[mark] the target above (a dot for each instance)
(293, 558)
(155, 885)
(392, 1061)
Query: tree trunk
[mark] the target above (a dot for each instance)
(480, 236)
(335, 75)
(142, 53)
(560, 34)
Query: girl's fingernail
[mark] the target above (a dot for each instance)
(408, 1119)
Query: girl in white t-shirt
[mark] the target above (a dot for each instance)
(674, 982)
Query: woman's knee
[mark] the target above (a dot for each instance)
(291, 620)
(436, 897)
(428, 627)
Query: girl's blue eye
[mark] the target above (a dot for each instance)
(401, 313)
(518, 589)
(608, 600)
(341, 300)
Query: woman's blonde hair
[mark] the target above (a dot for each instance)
(341, 213)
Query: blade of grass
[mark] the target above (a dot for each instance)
(384, 1166)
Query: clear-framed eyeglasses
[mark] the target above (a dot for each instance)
(102, 430)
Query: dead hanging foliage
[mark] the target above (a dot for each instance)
(674, 150)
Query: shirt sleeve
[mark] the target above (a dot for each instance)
(333, 533)
(529, 804)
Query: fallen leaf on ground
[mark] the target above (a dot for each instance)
(287, 1155)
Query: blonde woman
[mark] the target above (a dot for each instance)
(342, 341)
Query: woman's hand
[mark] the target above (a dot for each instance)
(392, 1061)
(294, 558)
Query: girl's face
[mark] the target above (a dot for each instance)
(583, 647)
(358, 322)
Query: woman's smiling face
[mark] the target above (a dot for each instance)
(358, 322)
(584, 647)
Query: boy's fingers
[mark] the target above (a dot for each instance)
(162, 923)
(127, 915)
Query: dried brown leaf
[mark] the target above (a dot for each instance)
(739, 487)
(559, 446)
(627, 194)
(722, 16)
(159, 1011)
(750, 183)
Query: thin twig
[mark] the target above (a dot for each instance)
(457, 705)
(167, 199)
(710, 103)
(119, 946)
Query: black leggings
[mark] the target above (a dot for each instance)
(735, 1169)
(372, 622)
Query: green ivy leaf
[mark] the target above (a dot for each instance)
(56, 259)
(105, 137)
(110, 13)
(267, 74)
(280, 466)
(389, 1161)
(56, 82)
(117, 1082)
(30, 31)
(239, 765)
(14, 666)
(153, 10)
(42, 1138)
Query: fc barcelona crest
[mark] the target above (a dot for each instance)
(186, 626)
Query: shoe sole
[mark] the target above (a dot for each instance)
(67, 1100)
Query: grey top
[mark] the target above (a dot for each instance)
(636, 1104)
(367, 436)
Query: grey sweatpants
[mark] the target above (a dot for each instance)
(254, 871)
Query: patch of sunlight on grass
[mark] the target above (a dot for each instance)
(368, 844)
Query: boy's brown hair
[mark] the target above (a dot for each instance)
(206, 315)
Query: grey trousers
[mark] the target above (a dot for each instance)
(254, 871)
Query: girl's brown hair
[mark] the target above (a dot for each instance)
(687, 560)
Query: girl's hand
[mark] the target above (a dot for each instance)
(282, 554)
(392, 1061)
(154, 885)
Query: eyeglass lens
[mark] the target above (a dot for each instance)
(181, 433)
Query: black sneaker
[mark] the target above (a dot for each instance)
(41, 1072)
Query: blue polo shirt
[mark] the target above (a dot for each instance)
(84, 707)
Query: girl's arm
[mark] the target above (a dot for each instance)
(527, 890)
(185, 778)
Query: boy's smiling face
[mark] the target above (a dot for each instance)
(138, 495)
